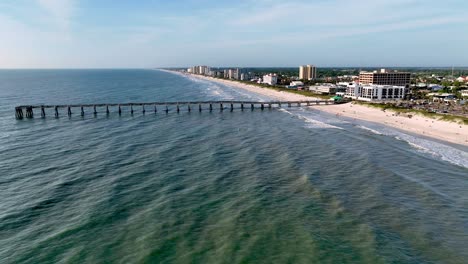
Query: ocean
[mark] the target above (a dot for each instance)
(291, 185)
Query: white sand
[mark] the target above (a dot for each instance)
(418, 124)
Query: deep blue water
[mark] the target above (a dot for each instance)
(283, 186)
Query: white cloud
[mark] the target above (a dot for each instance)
(61, 10)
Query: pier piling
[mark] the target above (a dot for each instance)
(82, 111)
(143, 109)
(107, 109)
(69, 111)
(131, 109)
(42, 111)
(56, 112)
(188, 108)
(221, 108)
(19, 113)
(120, 110)
(94, 110)
(199, 108)
(211, 107)
(29, 112)
(232, 107)
(178, 109)
(242, 106)
(155, 109)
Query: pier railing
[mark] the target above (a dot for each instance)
(160, 106)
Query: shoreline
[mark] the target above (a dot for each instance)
(418, 124)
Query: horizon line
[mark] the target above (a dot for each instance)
(185, 67)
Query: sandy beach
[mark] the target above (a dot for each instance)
(417, 124)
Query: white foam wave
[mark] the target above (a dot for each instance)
(311, 123)
(436, 150)
(371, 130)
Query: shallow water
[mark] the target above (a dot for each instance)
(285, 186)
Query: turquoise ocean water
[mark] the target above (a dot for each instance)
(274, 186)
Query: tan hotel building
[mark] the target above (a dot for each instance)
(384, 77)
(307, 72)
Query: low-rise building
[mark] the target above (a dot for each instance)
(271, 79)
(296, 83)
(442, 97)
(435, 87)
(464, 93)
(326, 88)
(375, 92)
(352, 89)
(382, 92)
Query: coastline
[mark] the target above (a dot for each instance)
(441, 130)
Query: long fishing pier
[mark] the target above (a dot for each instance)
(166, 107)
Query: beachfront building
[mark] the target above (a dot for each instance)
(382, 92)
(307, 72)
(244, 76)
(352, 89)
(201, 70)
(385, 77)
(464, 93)
(237, 74)
(374, 92)
(326, 88)
(232, 74)
(205, 70)
(271, 79)
(296, 84)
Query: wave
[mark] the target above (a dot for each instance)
(436, 150)
(370, 130)
(426, 146)
(311, 123)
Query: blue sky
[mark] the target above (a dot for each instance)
(157, 33)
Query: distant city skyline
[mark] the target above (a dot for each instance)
(246, 33)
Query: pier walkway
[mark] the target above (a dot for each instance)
(161, 106)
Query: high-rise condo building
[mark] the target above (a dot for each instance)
(384, 77)
(307, 72)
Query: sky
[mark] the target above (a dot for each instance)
(243, 33)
